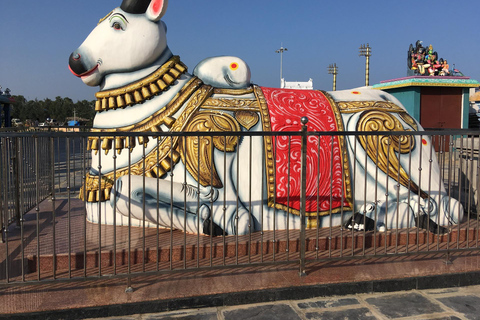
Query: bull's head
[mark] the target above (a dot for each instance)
(130, 38)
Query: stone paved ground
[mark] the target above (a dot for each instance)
(450, 303)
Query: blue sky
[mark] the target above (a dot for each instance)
(37, 37)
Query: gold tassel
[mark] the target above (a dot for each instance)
(94, 144)
(91, 196)
(129, 99)
(154, 89)
(175, 156)
(168, 79)
(143, 140)
(159, 171)
(120, 102)
(106, 193)
(149, 174)
(130, 143)
(166, 163)
(119, 143)
(99, 195)
(180, 68)
(138, 97)
(161, 84)
(169, 121)
(98, 106)
(104, 104)
(175, 73)
(146, 93)
(111, 103)
(107, 145)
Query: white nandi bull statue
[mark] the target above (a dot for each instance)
(241, 184)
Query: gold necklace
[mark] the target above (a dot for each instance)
(141, 90)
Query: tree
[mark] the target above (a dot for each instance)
(59, 109)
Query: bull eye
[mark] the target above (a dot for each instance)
(117, 26)
(118, 21)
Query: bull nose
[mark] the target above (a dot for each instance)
(76, 64)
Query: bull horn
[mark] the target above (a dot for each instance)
(135, 6)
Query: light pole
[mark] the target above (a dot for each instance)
(333, 69)
(366, 51)
(281, 50)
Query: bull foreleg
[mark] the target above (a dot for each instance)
(169, 204)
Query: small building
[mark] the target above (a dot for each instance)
(475, 100)
(5, 117)
(308, 85)
(434, 101)
(474, 108)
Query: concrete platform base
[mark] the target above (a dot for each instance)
(333, 272)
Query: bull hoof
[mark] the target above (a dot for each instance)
(424, 222)
(210, 228)
(360, 222)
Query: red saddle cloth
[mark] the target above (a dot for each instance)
(326, 167)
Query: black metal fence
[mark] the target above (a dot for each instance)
(46, 235)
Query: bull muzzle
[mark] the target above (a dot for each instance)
(77, 67)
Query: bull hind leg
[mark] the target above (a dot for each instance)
(395, 215)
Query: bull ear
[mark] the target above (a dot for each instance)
(157, 9)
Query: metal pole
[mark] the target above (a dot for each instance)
(304, 121)
(281, 50)
(333, 69)
(367, 70)
(366, 52)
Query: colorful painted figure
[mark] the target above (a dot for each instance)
(445, 68)
(423, 62)
(236, 185)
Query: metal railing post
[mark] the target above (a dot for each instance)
(303, 191)
(3, 213)
(16, 173)
(2, 165)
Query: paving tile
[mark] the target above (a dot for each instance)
(468, 305)
(266, 312)
(358, 314)
(330, 303)
(404, 305)
(442, 291)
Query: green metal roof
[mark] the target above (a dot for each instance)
(427, 81)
